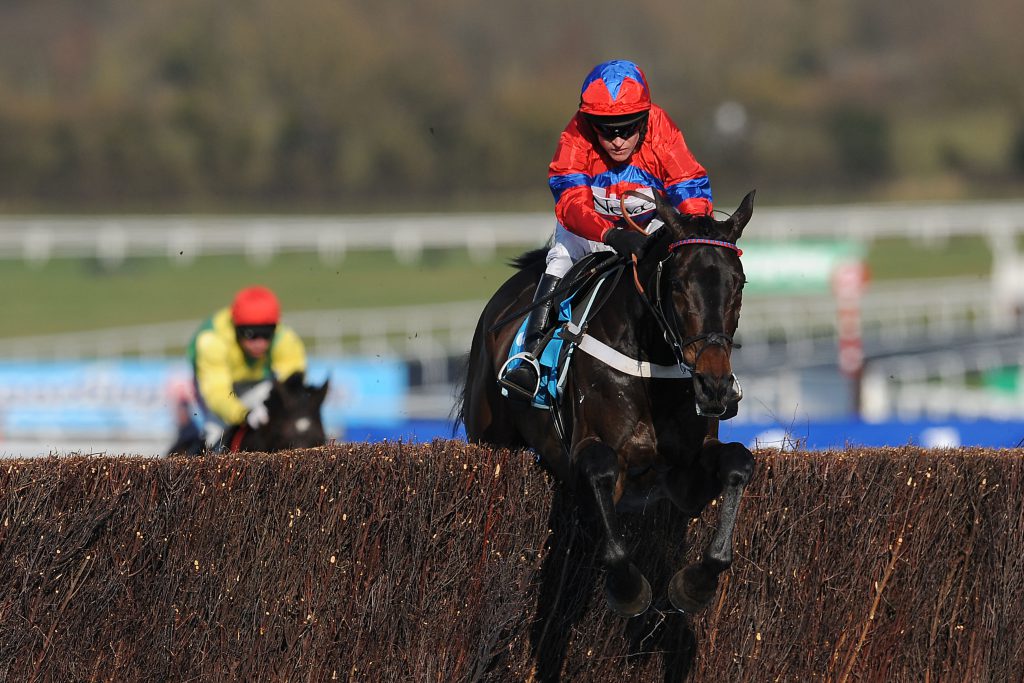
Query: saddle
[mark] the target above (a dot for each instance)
(590, 280)
(577, 302)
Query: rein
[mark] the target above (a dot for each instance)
(561, 289)
(236, 440)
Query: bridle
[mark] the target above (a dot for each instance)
(669, 322)
(670, 328)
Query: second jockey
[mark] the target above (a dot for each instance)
(234, 354)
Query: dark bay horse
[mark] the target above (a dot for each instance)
(295, 421)
(631, 438)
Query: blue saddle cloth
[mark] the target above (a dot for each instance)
(549, 358)
(554, 357)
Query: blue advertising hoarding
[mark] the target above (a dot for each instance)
(838, 434)
(817, 435)
(81, 401)
(138, 398)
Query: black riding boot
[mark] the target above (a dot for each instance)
(522, 381)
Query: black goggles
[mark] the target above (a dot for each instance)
(256, 331)
(610, 130)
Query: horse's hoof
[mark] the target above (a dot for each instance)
(634, 607)
(692, 588)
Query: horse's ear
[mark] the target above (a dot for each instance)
(666, 212)
(740, 218)
(660, 240)
(295, 381)
(321, 392)
(275, 400)
(685, 225)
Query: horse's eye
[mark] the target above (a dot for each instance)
(676, 285)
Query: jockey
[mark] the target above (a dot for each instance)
(234, 353)
(617, 141)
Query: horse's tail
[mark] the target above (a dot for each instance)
(457, 416)
(530, 259)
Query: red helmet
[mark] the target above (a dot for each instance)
(255, 306)
(615, 88)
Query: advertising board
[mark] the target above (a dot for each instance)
(133, 400)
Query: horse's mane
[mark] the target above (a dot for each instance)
(705, 225)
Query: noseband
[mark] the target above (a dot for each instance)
(669, 324)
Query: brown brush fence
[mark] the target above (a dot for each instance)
(434, 562)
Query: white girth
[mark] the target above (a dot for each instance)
(622, 362)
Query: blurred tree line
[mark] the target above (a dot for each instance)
(352, 106)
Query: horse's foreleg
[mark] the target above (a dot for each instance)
(627, 591)
(692, 588)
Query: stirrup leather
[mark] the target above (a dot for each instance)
(525, 357)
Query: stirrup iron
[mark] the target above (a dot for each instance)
(525, 357)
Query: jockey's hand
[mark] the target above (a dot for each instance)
(626, 242)
(257, 417)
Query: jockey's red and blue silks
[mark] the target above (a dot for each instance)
(588, 186)
(615, 88)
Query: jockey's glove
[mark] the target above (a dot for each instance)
(626, 242)
(257, 417)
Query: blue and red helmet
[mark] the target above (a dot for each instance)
(615, 88)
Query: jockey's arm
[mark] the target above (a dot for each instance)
(569, 181)
(686, 182)
(288, 354)
(575, 210)
(213, 377)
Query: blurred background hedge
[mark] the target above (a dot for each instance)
(175, 105)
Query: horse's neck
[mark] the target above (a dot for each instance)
(255, 439)
(626, 324)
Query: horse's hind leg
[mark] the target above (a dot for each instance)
(627, 591)
(692, 588)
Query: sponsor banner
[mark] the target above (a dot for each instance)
(838, 434)
(367, 390)
(816, 435)
(796, 267)
(138, 398)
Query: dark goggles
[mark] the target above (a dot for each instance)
(256, 331)
(610, 130)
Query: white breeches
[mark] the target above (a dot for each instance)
(568, 248)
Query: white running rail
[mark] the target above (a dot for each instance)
(413, 332)
(182, 238)
(892, 313)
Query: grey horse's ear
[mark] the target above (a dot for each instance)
(740, 218)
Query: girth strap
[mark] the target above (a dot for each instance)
(619, 361)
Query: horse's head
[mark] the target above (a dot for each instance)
(294, 409)
(703, 279)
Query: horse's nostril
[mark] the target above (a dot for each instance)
(709, 385)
